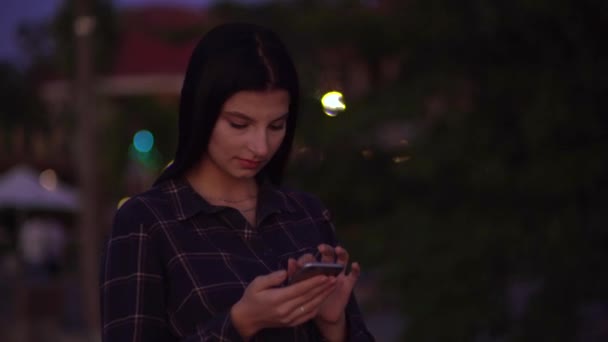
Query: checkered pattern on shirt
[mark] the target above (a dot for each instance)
(174, 264)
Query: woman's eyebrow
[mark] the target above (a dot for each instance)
(238, 115)
(284, 116)
(246, 117)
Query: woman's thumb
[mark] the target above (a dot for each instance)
(270, 280)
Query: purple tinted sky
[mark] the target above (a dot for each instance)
(15, 11)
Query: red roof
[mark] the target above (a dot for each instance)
(157, 39)
(167, 17)
(139, 53)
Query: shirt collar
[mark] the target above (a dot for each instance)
(186, 202)
(272, 200)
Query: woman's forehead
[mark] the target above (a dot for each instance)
(258, 104)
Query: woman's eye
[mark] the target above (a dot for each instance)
(238, 126)
(277, 127)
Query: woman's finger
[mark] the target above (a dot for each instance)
(327, 253)
(292, 267)
(295, 290)
(294, 303)
(302, 318)
(341, 255)
(293, 309)
(355, 270)
(306, 258)
(306, 310)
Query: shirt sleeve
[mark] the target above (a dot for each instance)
(132, 287)
(220, 328)
(356, 330)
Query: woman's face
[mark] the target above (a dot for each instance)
(248, 132)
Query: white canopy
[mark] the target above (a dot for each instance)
(20, 188)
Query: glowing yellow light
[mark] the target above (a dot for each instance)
(48, 179)
(401, 159)
(333, 103)
(122, 201)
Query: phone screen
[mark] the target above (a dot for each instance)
(316, 268)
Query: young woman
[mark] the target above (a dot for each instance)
(205, 254)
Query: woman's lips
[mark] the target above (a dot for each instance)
(249, 164)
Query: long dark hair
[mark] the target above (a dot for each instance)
(228, 59)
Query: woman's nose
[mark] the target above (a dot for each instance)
(259, 144)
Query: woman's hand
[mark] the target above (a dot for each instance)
(332, 309)
(265, 305)
(331, 315)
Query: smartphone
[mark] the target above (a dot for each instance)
(312, 269)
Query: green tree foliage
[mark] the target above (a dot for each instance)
(20, 105)
(514, 188)
(500, 108)
(506, 186)
(133, 114)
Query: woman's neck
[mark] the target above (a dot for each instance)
(217, 186)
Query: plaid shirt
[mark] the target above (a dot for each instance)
(174, 264)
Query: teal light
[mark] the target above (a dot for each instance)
(143, 141)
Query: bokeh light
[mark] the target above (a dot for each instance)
(122, 201)
(168, 164)
(401, 159)
(143, 141)
(48, 179)
(367, 153)
(333, 103)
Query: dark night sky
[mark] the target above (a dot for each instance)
(15, 11)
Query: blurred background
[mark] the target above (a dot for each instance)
(460, 145)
